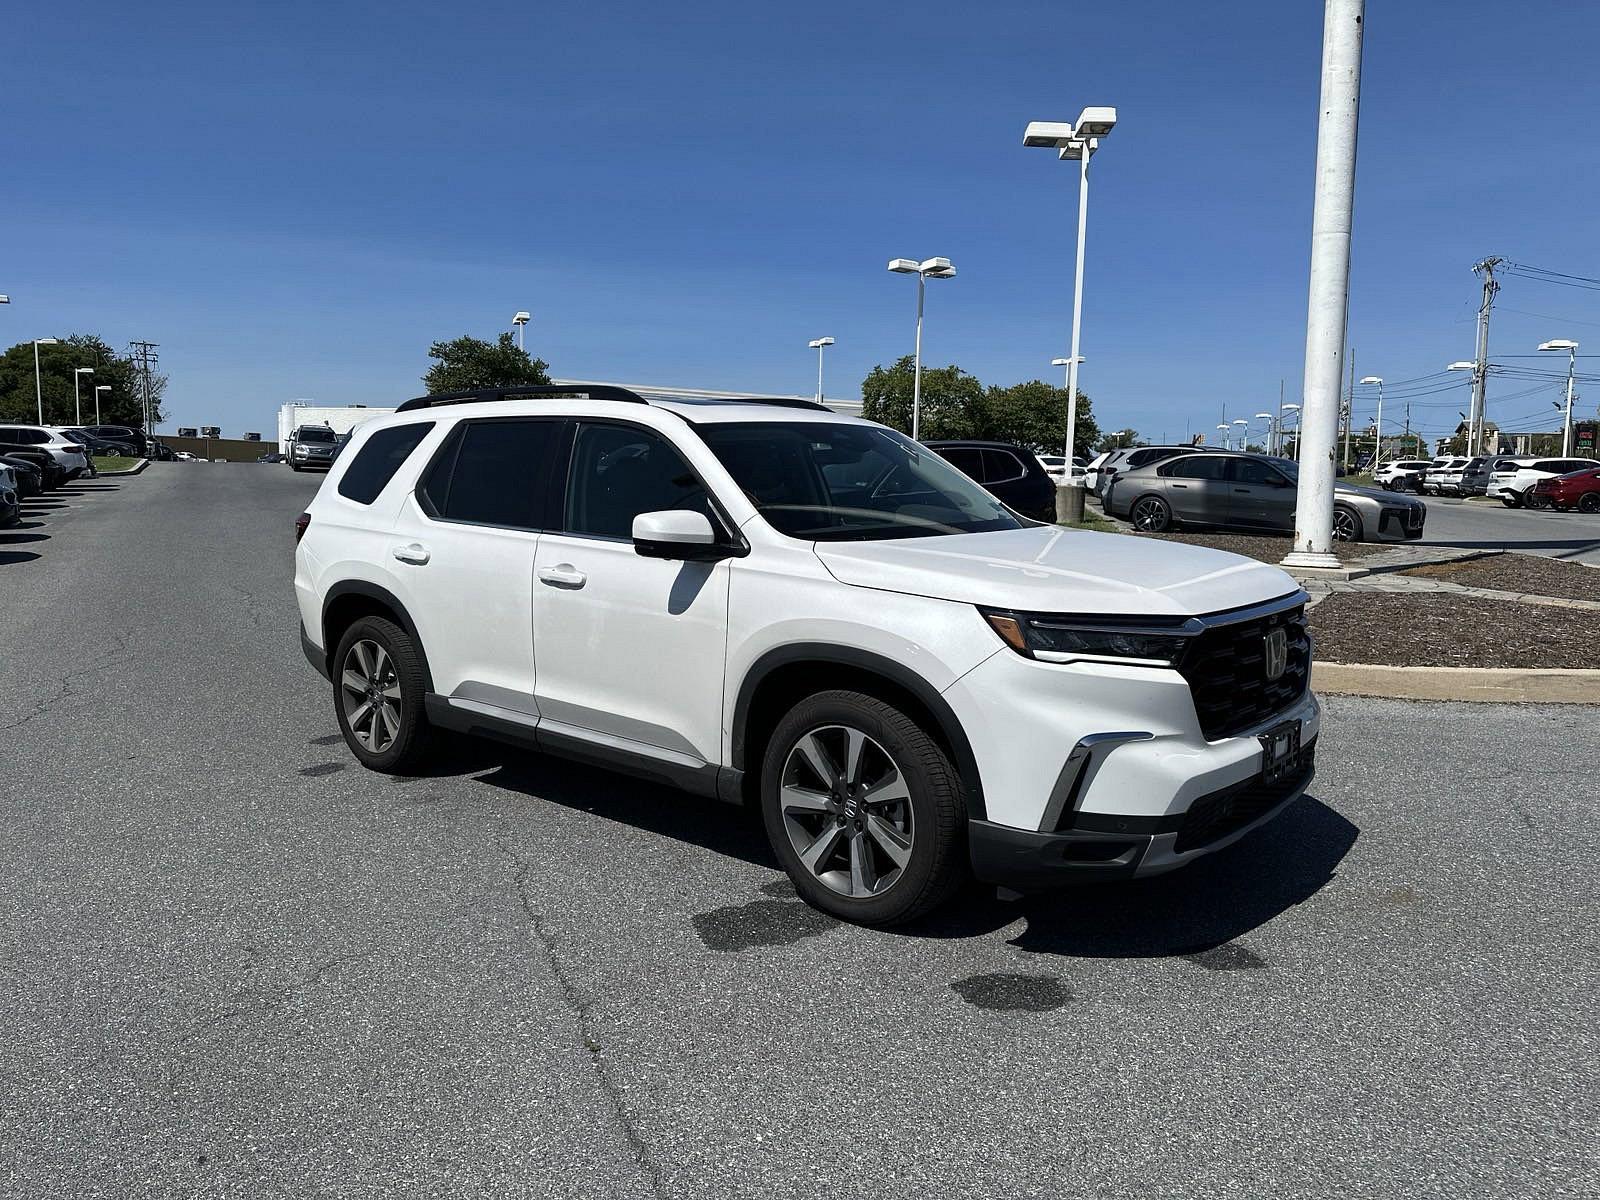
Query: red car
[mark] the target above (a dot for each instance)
(1579, 490)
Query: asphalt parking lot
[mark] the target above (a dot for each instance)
(235, 963)
(1487, 524)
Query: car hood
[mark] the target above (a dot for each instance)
(1048, 569)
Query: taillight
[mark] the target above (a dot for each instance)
(301, 524)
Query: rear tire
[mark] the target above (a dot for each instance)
(1589, 502)
(864, 809)
(1510, 499)
(378, 691)
(1150, 514)
(1535, 501)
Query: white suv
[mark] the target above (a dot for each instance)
(768, 602)
(1510, 478)
(68, 454)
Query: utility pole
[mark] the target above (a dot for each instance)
(1480, 370)
(144, 354)
(1332, 217)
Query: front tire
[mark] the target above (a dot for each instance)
(1346, 524)
(864, 809)
(1510, 499)
(378, 691)
(1589, 502)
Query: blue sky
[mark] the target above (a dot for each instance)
(295, 199)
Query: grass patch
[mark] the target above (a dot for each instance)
(113, 465)
(1091, 520)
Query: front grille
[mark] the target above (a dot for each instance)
(1225, 667)
(1217, 814)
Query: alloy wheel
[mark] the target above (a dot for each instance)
(370, 691)
(1344, 525)
(1149, 515)
(846, 808)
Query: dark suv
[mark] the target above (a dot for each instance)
(1009, 473)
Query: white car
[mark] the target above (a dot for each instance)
(1443, 475)
(774, 604)
(184, 456)
(1511, 478)
(1055, 466)
(1399, 473)
(68, 454)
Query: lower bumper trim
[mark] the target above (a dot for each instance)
(313, 653)
(1023, 858)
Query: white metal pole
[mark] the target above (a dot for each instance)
(916, 376)
(1277, 428)
(1330, 281)
(1077, 311)
(38, 387)
(77, 403)
(1566, 427)
(819, 373)
(1377, 449)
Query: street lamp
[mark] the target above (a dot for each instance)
(98, 388)
(1072, 404)
(1293, 409)
(1571, 348)
(819, 345)
(1226, 430)
(1467, 364)
(1074, 143)
(38, 387)
(77, 404)
(1244, 434)
(1377, 448)
(1269, 439)
(928, 268)
(521, 322)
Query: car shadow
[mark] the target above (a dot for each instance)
(1192, 911)
(11, 557)
(16, 537)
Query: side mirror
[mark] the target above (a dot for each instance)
(677, 533)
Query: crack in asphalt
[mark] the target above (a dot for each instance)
(583, 1010)
(117, 658)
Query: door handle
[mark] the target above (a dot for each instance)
(1180, 486)
(1241, 491)
(563, 575)
(415, 554)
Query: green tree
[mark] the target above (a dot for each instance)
(122, 405)
(953, 402)
(465, 363)
(1120, 440)
(1034, 414)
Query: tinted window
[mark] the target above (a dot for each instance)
(966, 459)
(313, 435)
(838, 481)
(493, 473)
(1253, 471)
(1549, 464)
(618, 472)
(379, 458)
(1002, 466)
(1199, 466)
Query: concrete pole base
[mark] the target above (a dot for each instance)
(1311, 558)
(1069, 503)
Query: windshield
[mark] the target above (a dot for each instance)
(834, 482)
(314, 435)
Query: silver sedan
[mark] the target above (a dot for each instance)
(1249, 493)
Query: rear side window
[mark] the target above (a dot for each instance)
(493, 473)
(1550, 464)
(619, 472)
(1002, 466)
(379, 458)
(1199, 466)
(966, 459)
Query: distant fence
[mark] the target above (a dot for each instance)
(227, 449)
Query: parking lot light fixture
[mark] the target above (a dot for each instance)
(38, 385)
(928, 268)
(819, 345)
(1571, 348)
(1075, 143)
(1292, 410)
(1377, 444)
(98, 388)
(1226, 430)
(521, 322)
(77, 402)
(5, 299)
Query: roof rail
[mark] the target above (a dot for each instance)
(527, 392)
(777, 402)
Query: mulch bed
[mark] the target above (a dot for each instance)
(1266, 549)
(1434, 630)
(1525, 574)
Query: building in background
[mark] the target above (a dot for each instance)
(340, 418)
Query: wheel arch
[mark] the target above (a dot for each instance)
(783, 676)
(1153, 493)
(347, 602)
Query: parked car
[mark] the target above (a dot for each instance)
(1252, 492)
(1133, 457)
(1475, 475)
(1055, 465)
(51, 474)
(1008, 472)
(1577, 489)
(271, 456)
(28, 474)
(123, 435)
(10, 499)
(1513, 477)
(778, 604)
(312, 448)
(1443, 476)
(185, 456)
(1400, 475)
(67, 453)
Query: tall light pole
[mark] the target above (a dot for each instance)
(77, 403)
(819, 345)
(521, 322)
(1072, 406)
(1469, 422)
(1571, 348)
(1329, 287)
(98, 388)
(1243, 427)
(1292, 410)
(1268, 441)
(928, 268)
(1226, 430)
(38, 385)
(1075, 143)
(1377, 448)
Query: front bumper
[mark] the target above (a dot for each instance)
(1102, 847)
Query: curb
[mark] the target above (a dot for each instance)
(1493, 685)
(133, 470)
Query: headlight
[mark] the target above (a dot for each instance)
(1067, 639)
